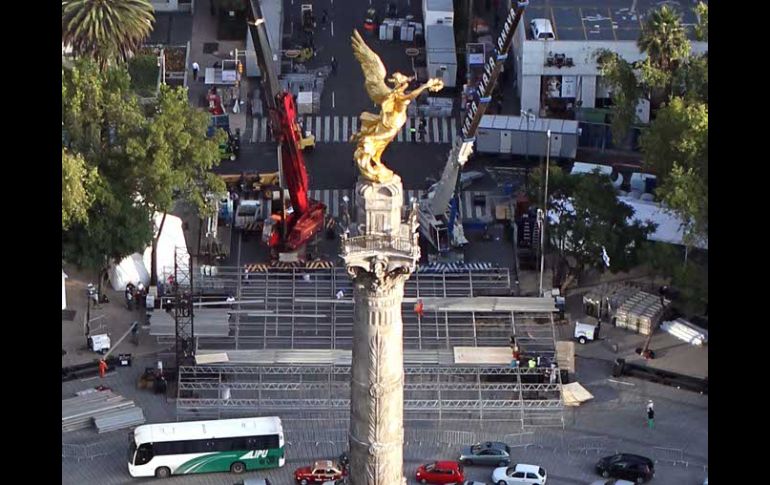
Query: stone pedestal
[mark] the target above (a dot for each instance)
(379, 261)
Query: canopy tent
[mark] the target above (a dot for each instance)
(669, 225)
(136, 267)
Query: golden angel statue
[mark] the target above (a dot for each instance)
(377, 131)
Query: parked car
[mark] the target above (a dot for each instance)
(440, 472)
(612, 481)
(319, 472)
(254, 481)
(519, 474)
(492, 453)
(628, 466)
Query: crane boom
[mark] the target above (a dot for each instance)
(437, 202)
(308, 215)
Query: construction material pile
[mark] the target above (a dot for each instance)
(640, 313)
(123, 418)
(112, 410)
(684, 330)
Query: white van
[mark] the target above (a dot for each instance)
(542, 29)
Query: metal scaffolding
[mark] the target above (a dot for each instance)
(297, 309)
(431, 393)
(184, 328)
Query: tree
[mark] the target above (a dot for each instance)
(99, 115)
(702, 26)
(144, 162)
(78, 181)
(626, 90)
(663, 39)
(686, 194)
(108, 31)
(177, 156)
(678, 135)
(591, 219)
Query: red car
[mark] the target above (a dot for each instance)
(440, 472)
(321, 471)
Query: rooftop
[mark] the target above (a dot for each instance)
(607, 20)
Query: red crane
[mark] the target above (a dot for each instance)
(292, 229)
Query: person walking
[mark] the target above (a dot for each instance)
(195, 68)
(334, 66)
(324, 17)
(650, 415)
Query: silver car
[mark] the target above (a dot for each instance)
(612, 481)
(492, 453)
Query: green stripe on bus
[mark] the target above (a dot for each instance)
(221, 461)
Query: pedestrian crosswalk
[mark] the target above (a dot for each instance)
(338, 129)
(470, 210)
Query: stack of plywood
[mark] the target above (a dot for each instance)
(573, 394)
(565, 355)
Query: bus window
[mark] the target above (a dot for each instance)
(143, 454)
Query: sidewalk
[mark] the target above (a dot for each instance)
(204, 31)
(111, 318)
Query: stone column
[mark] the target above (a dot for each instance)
(379, 261)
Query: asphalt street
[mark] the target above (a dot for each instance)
(345, 93)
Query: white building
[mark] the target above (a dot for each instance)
(562, 69)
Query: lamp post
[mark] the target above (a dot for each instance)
(544, 212)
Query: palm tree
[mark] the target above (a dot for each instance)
(106, 30)
(663, 38)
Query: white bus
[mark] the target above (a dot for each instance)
(234, 445)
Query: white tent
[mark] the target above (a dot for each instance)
(136, 267)
(171, 240)
(669, 226)
(130, 270)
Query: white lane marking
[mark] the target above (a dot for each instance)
(468, 206)
(336, 128)
(263, 130)
(327, 131)
(254, 127)
(434, 126)
(335, 202)
(453, 124)
(400, 136)
(332, 28)
(444, 131)
(355, 125)
(345, 134)
(318, 128)
(332, 99)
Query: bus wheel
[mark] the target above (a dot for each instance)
(162, 472)
(237, 467)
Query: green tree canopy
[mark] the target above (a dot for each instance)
(144, 163)
(663, 39)
(626, 90)
(678, 135)
(591, 218)
(78, 181)
(702, 27)
(108, 31)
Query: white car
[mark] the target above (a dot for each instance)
(519, 474)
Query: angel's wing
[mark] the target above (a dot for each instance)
(374, 69)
